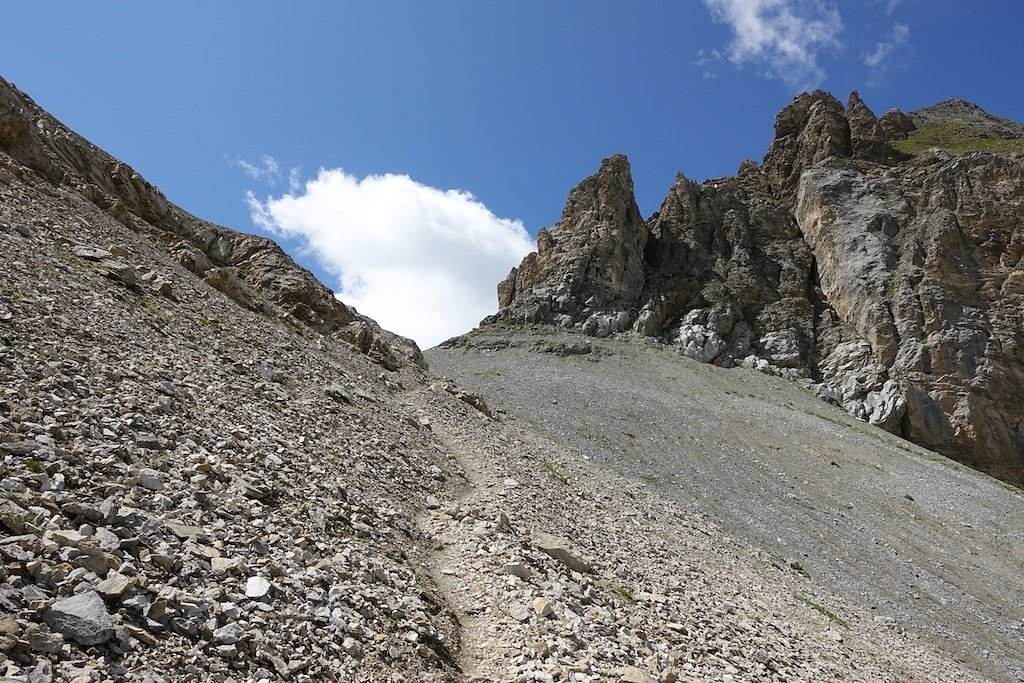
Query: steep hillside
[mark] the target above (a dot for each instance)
(897, 537)
(184, 478)
(889, 284)
(252, 270)
(212, 470)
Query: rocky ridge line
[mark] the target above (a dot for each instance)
(888, 284)
(254, 271)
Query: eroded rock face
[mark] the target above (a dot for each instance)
(729, 261)
(922, 260)
(255, 272)
(588, 270)
(811, 129)
(890, 283)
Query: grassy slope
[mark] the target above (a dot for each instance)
(956, 138)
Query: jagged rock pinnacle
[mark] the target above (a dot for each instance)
(840, 261)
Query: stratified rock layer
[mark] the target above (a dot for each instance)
(892, 284)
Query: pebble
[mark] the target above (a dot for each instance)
(257, 587)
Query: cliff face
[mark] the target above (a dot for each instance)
(889, 282)
(588, 270)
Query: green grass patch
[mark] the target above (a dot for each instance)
(149, 307)
(34, 466)
(625, 593)
(956, 138)
(832, 616)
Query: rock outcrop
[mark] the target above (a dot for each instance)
(922, 261)
(588, 270)
(889, 283)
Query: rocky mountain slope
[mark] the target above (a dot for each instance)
(898, 537)
(212, 470)
(883, 271)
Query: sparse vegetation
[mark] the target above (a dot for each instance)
(554, 472)
(956, 138)
(625, 593)
(149, 306)
(832, 616)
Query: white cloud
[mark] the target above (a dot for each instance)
(787, 36)
(877, 57)
(422, 262)
(708, 62)
(265, 170)
(294, 179)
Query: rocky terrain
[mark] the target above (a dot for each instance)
(213, 470)
(888, 281)
(900, 537)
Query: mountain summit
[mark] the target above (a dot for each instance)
(878, 261)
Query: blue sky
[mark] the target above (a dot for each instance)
(513, 103)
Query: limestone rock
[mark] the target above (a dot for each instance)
(913, 258)
(561, 550)
(82, 618)
(632, 674)
(542, 607)
(257, 587)
(868, 138)
(588, 264)
(517, 569)
(811, 129)
(893, 283)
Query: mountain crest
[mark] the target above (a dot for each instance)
(588, 269)
(252, 270)
(841, 261)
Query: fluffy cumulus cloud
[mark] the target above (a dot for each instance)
(785, 36)
(422, 262)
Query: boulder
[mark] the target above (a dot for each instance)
(561, 550)
(82, 618)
